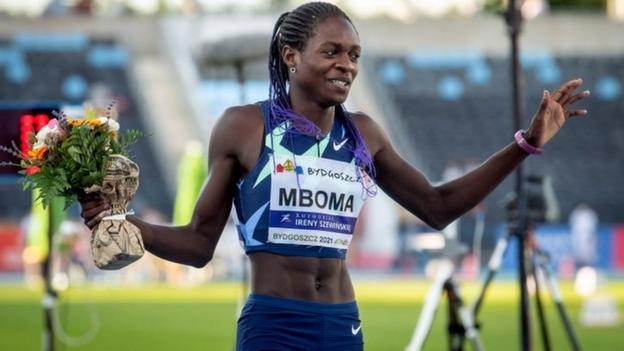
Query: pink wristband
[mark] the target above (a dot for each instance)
(524, 145)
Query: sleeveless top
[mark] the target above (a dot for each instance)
(303, 196)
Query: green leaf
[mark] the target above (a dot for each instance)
(76, 162)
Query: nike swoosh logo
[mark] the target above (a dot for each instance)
(354, 331)
(339, 146)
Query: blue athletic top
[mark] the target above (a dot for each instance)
(303, 196)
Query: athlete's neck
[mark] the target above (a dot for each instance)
(322, 117)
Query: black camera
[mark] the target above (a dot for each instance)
(541, 205)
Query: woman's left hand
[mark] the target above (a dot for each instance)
(554, 111)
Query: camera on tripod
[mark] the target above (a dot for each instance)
(540, 202)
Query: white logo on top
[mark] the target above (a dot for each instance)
(340, 145)
(355, 331)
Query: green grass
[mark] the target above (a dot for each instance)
(203, 318)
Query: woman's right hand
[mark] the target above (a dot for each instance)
(93, 208)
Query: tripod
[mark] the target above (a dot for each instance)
(461, 324)
(538, 263)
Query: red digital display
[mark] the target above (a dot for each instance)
(18, 122)
(30, 124)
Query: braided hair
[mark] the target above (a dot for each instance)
(295, 29)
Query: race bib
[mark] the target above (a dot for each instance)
(314, 202)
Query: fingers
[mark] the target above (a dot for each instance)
(90, 202)
(95, 220)
(544, 103)
(574, 98)
(579, 112)
(89, 197)
(88, 213)
(90, 209)
(86, 204)
(566, 89)
(93, 210)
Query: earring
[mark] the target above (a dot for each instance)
(293, 70)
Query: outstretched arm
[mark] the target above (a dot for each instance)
(193, 244)
(440, 205)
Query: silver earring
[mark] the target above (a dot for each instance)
(293, 70)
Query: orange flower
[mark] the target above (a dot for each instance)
(74, 122)
(32, 170)
(37, 153)
(94, 122)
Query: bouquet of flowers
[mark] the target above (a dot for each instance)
(71, 157)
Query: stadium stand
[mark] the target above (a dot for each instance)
(457, 107)
(70, 68)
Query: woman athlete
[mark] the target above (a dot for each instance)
(298, 167)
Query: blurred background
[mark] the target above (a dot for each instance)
(434, 74)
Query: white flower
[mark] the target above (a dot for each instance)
(42, 134)
(110, 123)
(49, 134)
(38, 144)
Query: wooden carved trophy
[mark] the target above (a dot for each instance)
(115, 242)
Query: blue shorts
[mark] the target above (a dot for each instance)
(273, 323)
